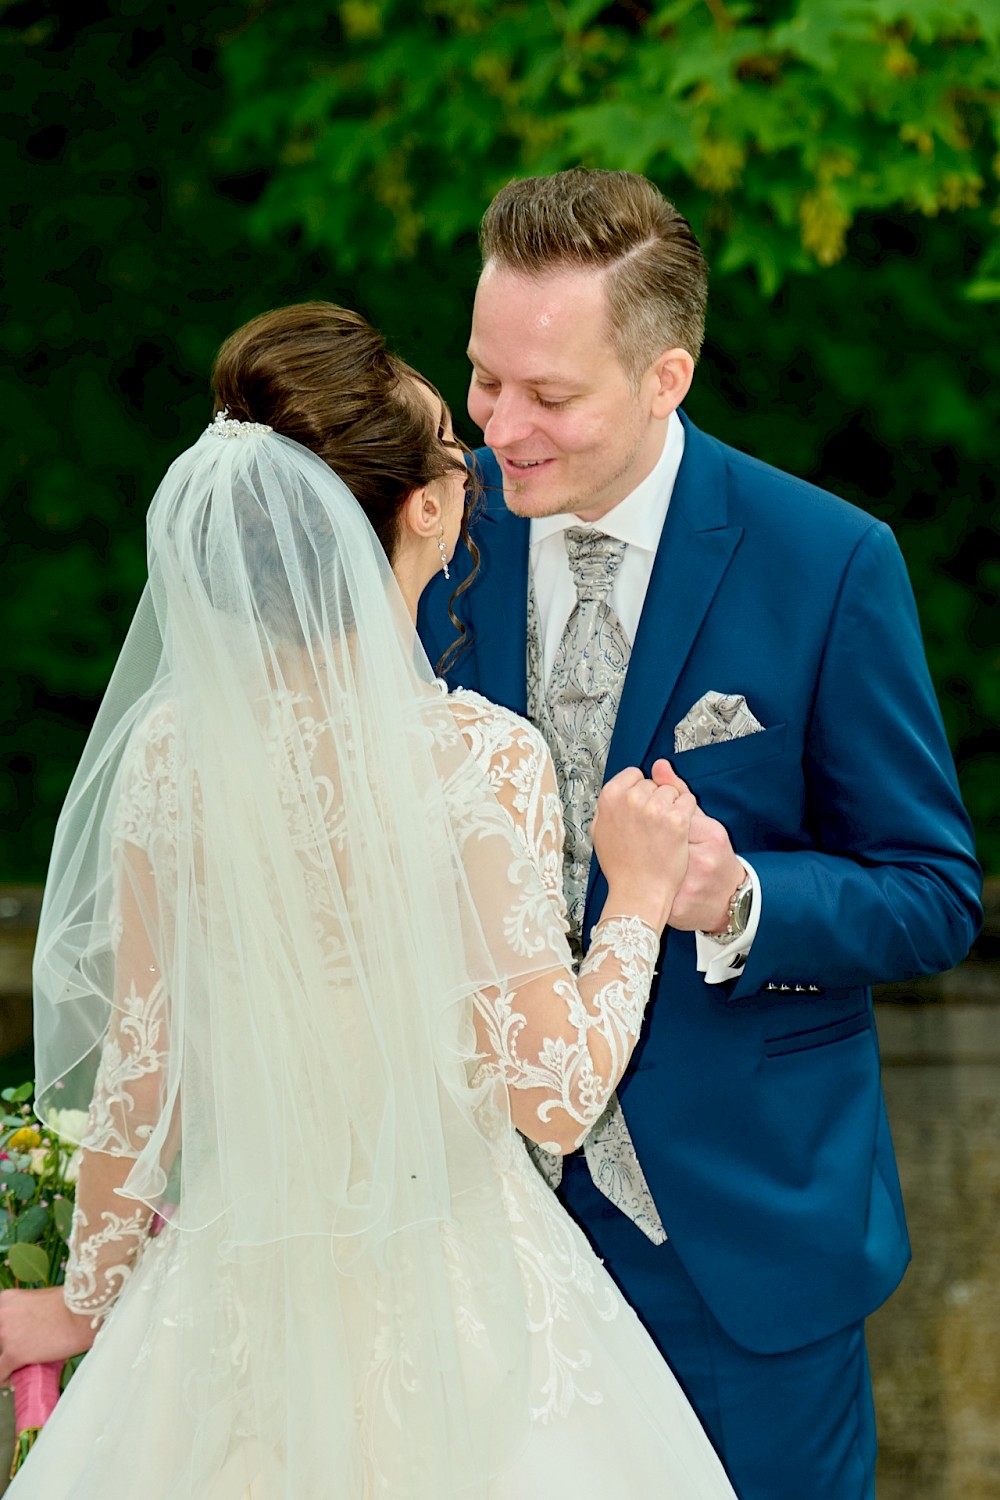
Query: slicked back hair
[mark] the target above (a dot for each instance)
(656, 272)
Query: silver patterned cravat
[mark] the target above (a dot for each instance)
(581, 702)
(576, 713)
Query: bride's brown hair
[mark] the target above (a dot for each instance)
(320, 374)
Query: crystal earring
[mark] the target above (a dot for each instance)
(444, 554)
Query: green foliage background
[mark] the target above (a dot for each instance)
(172, 170)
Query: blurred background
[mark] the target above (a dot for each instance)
(170, 170)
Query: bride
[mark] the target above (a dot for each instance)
(302, 954)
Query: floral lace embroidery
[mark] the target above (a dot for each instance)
(574, 1065)
(133, 1050)
(94, 1283)
(556, 1272)
(600, 1015)
(556, 1046)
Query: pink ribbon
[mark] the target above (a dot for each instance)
(161, 1218)
(36, 1391)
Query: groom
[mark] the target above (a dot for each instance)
(646, 592)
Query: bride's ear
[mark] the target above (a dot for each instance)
(421, 514)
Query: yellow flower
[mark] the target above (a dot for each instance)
(24, 1139)
(361, 22)
(917, 136)
(900, 62)
(956, 191)
(824, 225)
(720, 165)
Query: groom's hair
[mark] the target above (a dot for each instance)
(657, 275)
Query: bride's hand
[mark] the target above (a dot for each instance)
(640, 834)
(36, 1326)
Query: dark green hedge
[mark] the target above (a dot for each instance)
(170, 171)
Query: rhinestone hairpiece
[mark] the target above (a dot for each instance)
(226, 426)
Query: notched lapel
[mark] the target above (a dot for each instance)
(695, 550)
(498, 610)
(686, 576)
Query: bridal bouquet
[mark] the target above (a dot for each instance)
(38, 1171)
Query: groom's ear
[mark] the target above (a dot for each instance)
(670, 374)
(421, 512)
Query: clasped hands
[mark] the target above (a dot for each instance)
(644, 824)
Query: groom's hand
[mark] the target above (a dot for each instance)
(36, 1326)
(713, 872)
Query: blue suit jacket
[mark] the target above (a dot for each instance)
(756, 1107)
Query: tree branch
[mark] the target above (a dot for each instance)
(720, 14)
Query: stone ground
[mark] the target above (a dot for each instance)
(935, 1346)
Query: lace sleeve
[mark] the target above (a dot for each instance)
(109, 1228)
(562, 1041)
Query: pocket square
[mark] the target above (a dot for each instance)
(716, 716)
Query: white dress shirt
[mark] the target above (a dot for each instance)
(638, 521)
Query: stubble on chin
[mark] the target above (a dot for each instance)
(517, 498)
(518, 501)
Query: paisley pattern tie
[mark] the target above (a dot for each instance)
(581, 702)
(576, 713)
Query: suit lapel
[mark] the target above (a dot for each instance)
(695, 549)
(498, 600)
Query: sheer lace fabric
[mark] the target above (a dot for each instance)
(558, 1044)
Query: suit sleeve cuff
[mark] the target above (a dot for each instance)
(722, 962)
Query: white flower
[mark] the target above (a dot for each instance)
(71, 1171)
(69, 1123)
(37, 1157)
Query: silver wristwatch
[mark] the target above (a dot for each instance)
(739, 913)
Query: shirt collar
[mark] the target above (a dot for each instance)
(638, 519)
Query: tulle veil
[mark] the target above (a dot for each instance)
(276, 812)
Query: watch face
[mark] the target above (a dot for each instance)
(741, 911)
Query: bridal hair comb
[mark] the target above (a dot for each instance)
(225, 426)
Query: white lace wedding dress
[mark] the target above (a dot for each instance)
(607, 1418)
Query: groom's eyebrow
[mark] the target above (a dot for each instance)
(528, 379)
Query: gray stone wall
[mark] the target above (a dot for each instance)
(935, 1346)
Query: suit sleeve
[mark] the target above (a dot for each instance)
(890, 887)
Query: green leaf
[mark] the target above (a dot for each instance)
(19, 1095)
(22, 1185)
(62, 1213)
(32, 1224)
(28, 1262)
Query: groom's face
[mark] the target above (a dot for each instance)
(571, 432)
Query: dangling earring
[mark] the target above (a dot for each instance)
(444, 554)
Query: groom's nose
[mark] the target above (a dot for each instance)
(510, 421)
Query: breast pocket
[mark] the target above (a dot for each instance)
(729, 755)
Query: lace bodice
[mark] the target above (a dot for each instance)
(559, 1042)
